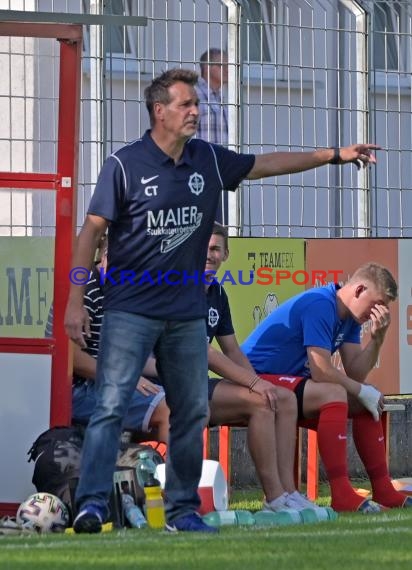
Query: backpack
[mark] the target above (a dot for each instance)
(130, 456)
(56, 453)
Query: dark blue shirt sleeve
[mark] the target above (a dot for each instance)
(233, 167)
(110, 190)
(225, 327)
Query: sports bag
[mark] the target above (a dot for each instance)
(130, 456)
(56, 453)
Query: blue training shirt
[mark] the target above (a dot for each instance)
(278, 345)
(161, 216)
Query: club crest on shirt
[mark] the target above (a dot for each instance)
(196, 183)
(213, 317)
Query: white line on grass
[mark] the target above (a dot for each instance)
(318, 531)
(340, 532)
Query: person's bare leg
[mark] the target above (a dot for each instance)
(160, 421)
(285, 431)
(234, 405)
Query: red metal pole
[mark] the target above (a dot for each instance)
(66, 216)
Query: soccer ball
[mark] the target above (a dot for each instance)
(43, 512)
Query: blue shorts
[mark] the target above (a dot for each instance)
(138, 416)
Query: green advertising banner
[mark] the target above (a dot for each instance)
(260, 274)
(26, 281)
(26, 285)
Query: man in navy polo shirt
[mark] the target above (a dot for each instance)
(158, 197)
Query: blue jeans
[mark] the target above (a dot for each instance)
(180, 348)
(139, 414)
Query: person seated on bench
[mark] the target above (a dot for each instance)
(148, 410)
(293, 347)
(240, 398)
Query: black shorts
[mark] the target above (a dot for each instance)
(300, 388)
(211, 385)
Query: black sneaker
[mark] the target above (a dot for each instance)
(190, 523)
(89, 519)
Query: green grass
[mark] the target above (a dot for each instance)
(354, 541)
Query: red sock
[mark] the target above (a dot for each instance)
(332, 442)
(368, 438)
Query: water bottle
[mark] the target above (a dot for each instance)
(132, 512)
(223, 518)
(145, 468)
(309, 516)
(280, 518)
(327, 514)
(319, 514)
(154, 506)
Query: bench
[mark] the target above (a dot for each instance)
(312, 470)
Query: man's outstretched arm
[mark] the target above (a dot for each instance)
(277, 163)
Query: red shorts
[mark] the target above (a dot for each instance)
(289, 382)
(294, 383)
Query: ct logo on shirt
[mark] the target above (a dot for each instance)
(149, 190)
(213, 317)
(196, 183)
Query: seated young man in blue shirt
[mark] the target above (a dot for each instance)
(293, 347)
(147, 410)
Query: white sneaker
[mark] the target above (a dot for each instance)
(299, 502)
(277, 505)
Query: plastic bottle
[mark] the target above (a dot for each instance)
(329, 514)
(280, 518)
(154, 506)
(223, 518)
(145, 468)
(132, 512)
(309, 516)
(319, 514)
